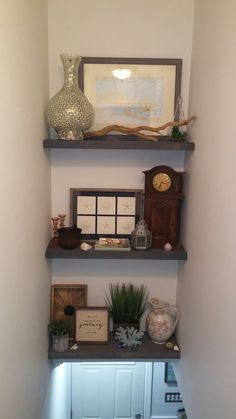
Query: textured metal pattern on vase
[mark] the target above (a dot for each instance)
(69, 112)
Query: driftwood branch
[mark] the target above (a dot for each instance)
(137, 131)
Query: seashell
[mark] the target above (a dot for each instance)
(85, 246)
(74, 347)
(169, 345)
(167, 247)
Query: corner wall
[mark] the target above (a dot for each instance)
(25, 209)
(206, 285)
(58, 402)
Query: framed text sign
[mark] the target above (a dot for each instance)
(131, 91)
(92, 325)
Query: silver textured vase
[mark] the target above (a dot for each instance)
(69, 112)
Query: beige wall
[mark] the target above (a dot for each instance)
(25, 208)
(206, 286)
(151, 28)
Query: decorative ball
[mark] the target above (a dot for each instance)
(69, 310)
(167, 247)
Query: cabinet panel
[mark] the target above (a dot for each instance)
(107, 391)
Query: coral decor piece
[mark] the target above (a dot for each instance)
(129, 337)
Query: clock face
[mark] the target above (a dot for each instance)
(161, 182)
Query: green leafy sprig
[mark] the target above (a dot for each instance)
(178, 135)
(59, 327)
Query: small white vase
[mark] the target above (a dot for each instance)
(161, 321)
(60, 343)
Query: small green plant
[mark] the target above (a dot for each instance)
(126, 302)
(59, 327)
(178, 135)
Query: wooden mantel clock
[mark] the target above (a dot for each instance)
(162, 204)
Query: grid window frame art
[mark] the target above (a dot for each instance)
(105, 212)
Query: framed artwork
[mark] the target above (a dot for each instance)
(92, 325)
(105, 212)
(131, 91)
(65, 300)
(169, 374)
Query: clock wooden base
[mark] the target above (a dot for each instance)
(162, 204)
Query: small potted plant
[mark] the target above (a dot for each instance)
(59, 330)
(126, 303)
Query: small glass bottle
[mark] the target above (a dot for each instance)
(179, 133)
(141, 237)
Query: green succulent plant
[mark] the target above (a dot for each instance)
(126, 302)
(178, 135)
(59, 327)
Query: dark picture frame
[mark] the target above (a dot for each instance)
(65, 300)
(147, 96)
(105, 212)
(92, 325)
(169, 377)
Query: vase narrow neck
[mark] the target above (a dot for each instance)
(70, 65)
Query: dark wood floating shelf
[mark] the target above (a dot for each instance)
(121, 142)
(54, 251)
(148, 352)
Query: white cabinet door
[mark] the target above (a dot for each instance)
(108, 390)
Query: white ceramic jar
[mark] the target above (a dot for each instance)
(60, 343)
(161, 321)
